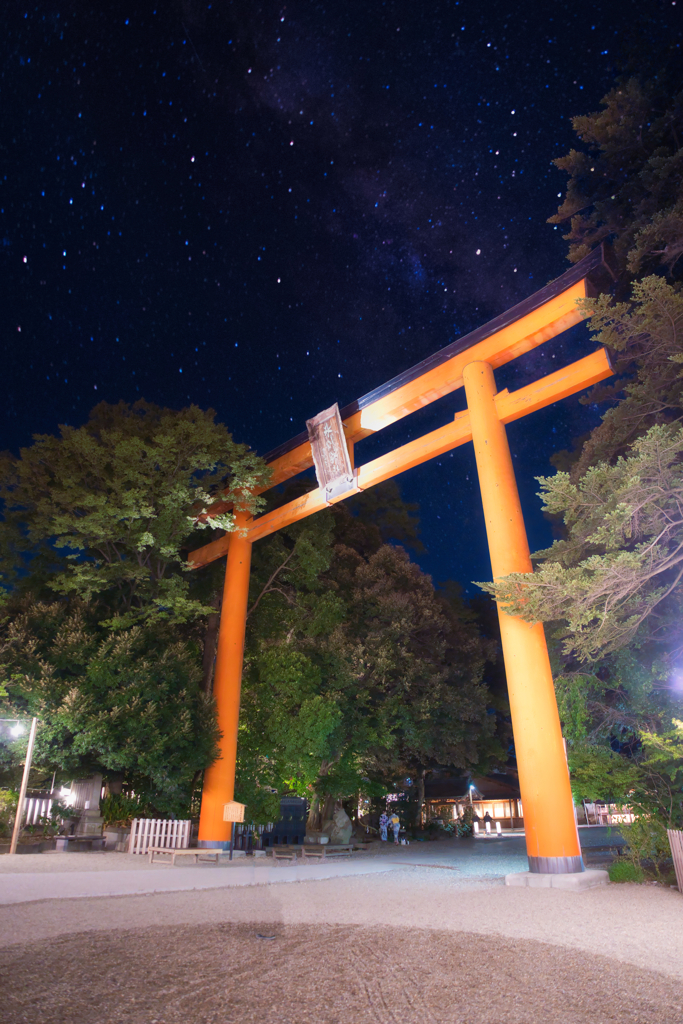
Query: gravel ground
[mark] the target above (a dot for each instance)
(446, 942)
(289, 974)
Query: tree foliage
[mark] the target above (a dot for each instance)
(645, 337)
(621, 563)
(354, 668)
(105, 509)
(598, 773)
(624, 733)
(616, 573)
(125, 703)
(626, 183)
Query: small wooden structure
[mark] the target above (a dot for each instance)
(336, 850)
(601, 813)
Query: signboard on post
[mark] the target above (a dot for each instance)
(232, 811)
(331, 457)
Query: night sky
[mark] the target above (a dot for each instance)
(268, 208)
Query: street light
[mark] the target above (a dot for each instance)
(17, 730)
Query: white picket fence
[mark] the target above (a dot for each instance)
(146, 832)
(36, 807)
(676, 844)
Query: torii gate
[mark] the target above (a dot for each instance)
(551, 834)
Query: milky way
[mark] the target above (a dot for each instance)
(268, 208)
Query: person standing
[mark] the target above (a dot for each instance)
(395, 823)
(383, 824)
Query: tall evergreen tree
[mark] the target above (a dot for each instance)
(626, 182)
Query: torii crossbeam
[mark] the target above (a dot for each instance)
(550, 825)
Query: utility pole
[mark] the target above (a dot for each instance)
(24, 786)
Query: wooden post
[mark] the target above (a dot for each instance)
(219, 778)
(552, 837)
(676, 844)
(24, 786)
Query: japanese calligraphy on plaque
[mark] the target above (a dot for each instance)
(330, 453)
(232, 811)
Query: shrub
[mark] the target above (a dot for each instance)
(118, 810)
(647, 841)
(463, 826)
(626, 871)
(8, 806)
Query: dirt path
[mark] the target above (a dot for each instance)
(288, 974)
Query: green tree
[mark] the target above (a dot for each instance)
(598, 773)
(622, 558)
(621, 730)
(626, 183)
(645, 337)
(661, 766)
(125, 704)
(617, 570)
(102, 515)
(105, 510)
(350, 663)
(444, 724)
(378, 516)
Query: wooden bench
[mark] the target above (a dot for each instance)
(320, 851)
(312, 851)
(340, 850)
(196, 853)
(284, 853)
(315, 851)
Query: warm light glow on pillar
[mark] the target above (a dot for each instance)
(550, 826)
(219, 778)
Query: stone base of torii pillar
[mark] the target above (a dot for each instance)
(576, 881)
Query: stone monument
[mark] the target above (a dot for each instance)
(86, 801)
(339, 828)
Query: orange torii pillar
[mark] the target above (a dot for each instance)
(552, 838)
(219, 778)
